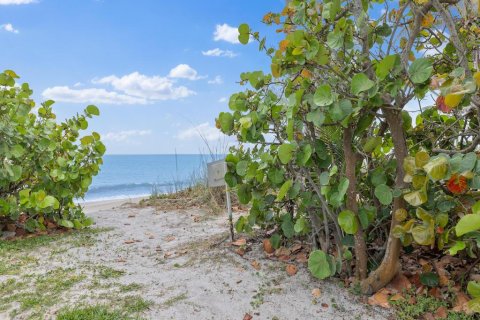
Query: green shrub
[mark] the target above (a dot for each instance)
(45, 164)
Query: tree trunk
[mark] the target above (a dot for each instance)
(390, 264)
(352, 205)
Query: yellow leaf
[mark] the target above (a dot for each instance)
(284, 44)
(411, 56)
(276, 72)
(306, 74)
(452, 100)
(476, 76)
(427, 20)
(267, 18)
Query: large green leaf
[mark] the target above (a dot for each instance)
(285, 152)
(48, 202)
(423, 235)
(323, 96)
(416, 198)
(474, 305)
(93, 110)
(244, 193)
(436, 168)
(429, 279)
(348, 222)
(371, 144)
(458, 246)
(241, 168)
(385, 65)
(318, 264)
(317, 117)
(473, 289)
(226, 121)
(288, 227)
(384, 194)
(468, 223)
(420, 70)
(360, 83)
(284, 189)
(243, 33)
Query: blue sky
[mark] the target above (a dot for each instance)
(160, 71)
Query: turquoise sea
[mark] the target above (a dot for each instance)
(126, 176)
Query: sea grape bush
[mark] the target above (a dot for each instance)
(45, 164)
(364, 134)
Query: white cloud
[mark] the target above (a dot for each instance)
(10, 2)
(222, 99)
(145, 87)
(217, 52)
(9, 27)
(184, 71)
(123, 136)
(226, 33)
(216, 80)
(133, 88)
(92, 95)
(204, 130)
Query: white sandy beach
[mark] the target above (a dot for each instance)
(183, 263)
(189, 270)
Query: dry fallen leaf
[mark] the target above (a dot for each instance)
(240, 242)
(316, 293)
(130, 241)
(301, 257)
(247, 316)
(428, 316)
(291, 269)
(282, 251)
(461, 302)
(379, 299)
(435, 292)
(267, 246)
(441, 313)
(295, 248)
(255, 264)
(399, 283)
(240, 251)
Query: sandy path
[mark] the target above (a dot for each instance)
(189, 275)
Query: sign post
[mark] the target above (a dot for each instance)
(216, 178)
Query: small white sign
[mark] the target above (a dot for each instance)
(216, 173)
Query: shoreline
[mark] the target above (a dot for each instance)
(100, 205)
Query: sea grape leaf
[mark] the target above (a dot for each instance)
(323, 96)
(348, 221)
(285, 152)
(384, 194)
(318, 264)
(360, 83)
(420, 70)
(468, 223)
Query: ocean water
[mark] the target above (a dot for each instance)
(127, 176)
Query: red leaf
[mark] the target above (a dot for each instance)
(441, 105)
(457, 184)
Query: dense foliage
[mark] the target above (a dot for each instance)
(364, 135)
(45, 164)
